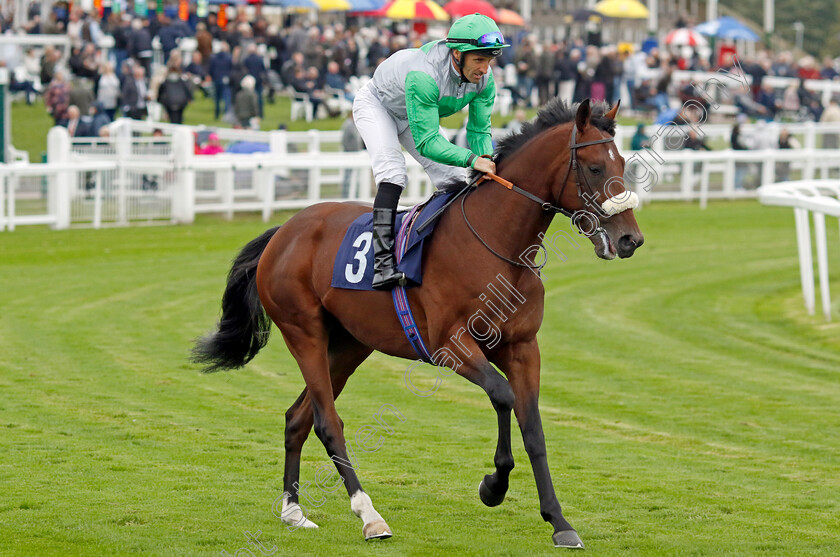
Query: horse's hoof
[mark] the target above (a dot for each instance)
(376, 530)
(293, 516)
(488, 496)
(567, 538)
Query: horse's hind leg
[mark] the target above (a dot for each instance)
(316, 407)
(345, 355)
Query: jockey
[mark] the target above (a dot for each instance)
(402, 106)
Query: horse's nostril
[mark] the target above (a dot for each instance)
(627, 245)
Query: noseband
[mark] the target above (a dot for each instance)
(580, 177)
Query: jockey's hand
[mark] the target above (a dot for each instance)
(484, 165)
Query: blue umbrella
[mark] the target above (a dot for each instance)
(365, 5)
(727, 28)
(292, 3)
(667, 116)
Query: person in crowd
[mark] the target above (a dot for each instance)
(140, 45)
(174, 94)
(566, 73)
(308, 82)
(97, 119)
(171, 31)
(515, 125)
(738, 144)
(246, 106)
(197, 74)
(32, 66)
(695, 142)
(334, 79)
(401, 107)
(108, 90)
(767, 98)
(213, 146)
(602, 80)
(290, 67)
(526, 72)
(120, 30)
(786, 141)
(640, 139)
(545, 71)
(49, 60)
(204, 43)
(828, 71)
(831, 115)
(83, 62)
(135, 93)
(18, 83)
(73, 122)
(81, 94)
(221, 65)
(57, 97)
(255, 66)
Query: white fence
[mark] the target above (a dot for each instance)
(820, 198)
(132, 176)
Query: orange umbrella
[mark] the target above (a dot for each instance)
(510, 17)
(413, 9)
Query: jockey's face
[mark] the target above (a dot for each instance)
(476, 65)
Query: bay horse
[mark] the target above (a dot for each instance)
(561, 162)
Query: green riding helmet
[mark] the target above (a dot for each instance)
(476, 33)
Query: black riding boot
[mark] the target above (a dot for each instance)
(385, 274)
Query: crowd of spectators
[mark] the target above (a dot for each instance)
(249, 61)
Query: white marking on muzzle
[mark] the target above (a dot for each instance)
(620, 203)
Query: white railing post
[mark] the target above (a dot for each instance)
(768, 168)
(729, 176)
(2, 198)
(227, 186)
(266, 182)
(123, 148)
(97, 200)
(810, 146)
(687, 179)
(59, 197)
(314, 149)
(183, 191)
(806, 262)
(13, 181)
(822, 263)
(314, 144)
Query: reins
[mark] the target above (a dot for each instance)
(545, 205)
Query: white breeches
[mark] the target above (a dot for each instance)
(383, 135)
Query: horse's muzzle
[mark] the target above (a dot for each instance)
(627, 245)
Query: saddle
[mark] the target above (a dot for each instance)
(353, 266)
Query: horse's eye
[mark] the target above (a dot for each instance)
(595, 170)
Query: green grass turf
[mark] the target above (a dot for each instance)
(690, 405)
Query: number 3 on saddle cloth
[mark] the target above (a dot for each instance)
(353, 268)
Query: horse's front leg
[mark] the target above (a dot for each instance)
(493, 487)
(521, 364)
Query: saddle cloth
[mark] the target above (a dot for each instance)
(353, 267)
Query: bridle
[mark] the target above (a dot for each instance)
(580, 177)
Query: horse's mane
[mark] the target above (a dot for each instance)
(554, 113)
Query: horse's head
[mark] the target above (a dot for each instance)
(592, 187)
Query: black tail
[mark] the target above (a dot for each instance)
(244, 327)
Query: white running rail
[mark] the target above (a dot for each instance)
(806, 197)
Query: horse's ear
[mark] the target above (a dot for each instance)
(613, 111)
(584, 111)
